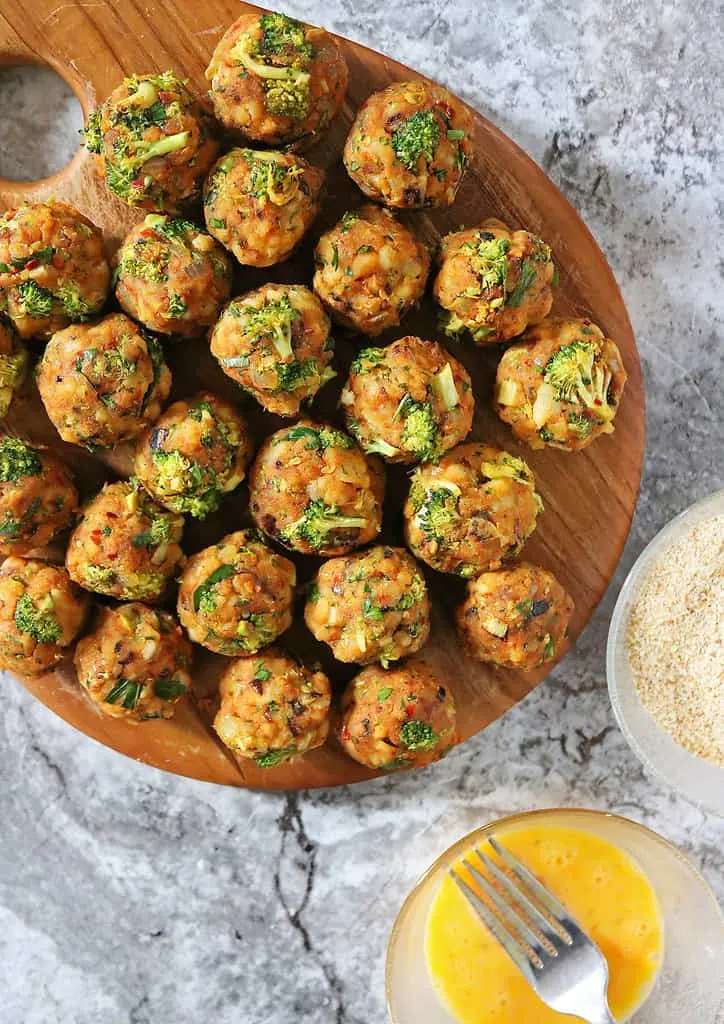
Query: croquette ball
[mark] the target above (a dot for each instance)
(370, 606)
(408, 402)
(53, 270)
(493, 282)
(13, 364)
(194, 454)
(41, 613)
(409, 145)
(370, 270)
(312, 489)
(103, 383)
(560, 386)
(172, 276)
(236, 596)
(399, 717)
(135, 664)
(516, 617)
(272, 708)
(155, 142)
(277, 81)
(259, 204)
(38, 498)
(126, 545)
(472, 511)
(275, 343)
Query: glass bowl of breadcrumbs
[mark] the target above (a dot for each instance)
(665, 656)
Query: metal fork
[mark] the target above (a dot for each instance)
(565, 967)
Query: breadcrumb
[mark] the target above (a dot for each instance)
(676, 640)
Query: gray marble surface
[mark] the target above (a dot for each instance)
(132, 897)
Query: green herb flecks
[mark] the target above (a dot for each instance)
(204, 599)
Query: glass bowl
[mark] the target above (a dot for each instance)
(698, 780)
(688, 987)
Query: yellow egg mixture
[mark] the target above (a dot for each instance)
(604, 890)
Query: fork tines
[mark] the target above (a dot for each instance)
(525, 918)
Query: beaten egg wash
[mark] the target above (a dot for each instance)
(604, 890)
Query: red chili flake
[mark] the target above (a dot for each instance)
(137, 182)
(96, 537)
(111, 515)
(410, 710)
(32, 264)
(147, 233)
(446, 110)
(345, 733)
(58, 261)
(112, 557)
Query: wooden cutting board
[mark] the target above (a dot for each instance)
(589, 497)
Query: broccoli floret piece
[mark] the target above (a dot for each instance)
(507, 466)
(75, 306)
(158, 533)
(488, 256)
(143, 585)
(318, 521)
(274, 321)
(377, 446)
(253, 632)
(281, 60)
(576, 376)
(436, 511)
(321, 439)
(123, 169)
(291, 375)
(288, 99)
(177, 474)
(18, 459)
(172, 227)
(145, 262)
(268, 179)
(580, 423)
(284, 36)
(36, 301)
(274, 757)
(92, 134)
(420, 433)
(417, 136)
(417, 735)
(367, 359)
(12, 373)
(39, 623)
(98, 577)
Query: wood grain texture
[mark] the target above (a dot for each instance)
(589, 496)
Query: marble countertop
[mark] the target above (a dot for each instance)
(132, 897)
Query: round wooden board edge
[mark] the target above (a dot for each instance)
(232, 772)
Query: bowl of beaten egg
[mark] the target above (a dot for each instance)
(651, 913)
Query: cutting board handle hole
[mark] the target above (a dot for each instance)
(35, 94)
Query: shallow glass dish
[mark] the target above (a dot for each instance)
(689, 985)
(700, 781)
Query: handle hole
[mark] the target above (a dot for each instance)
(41, 120)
